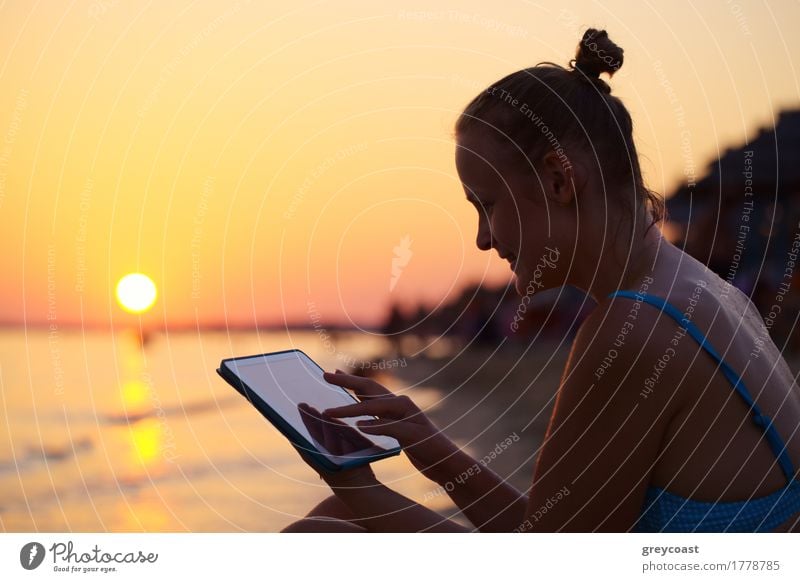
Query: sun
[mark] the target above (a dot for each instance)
(136, 292)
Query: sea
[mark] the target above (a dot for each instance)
(103, 433)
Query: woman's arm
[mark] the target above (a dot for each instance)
(604, 437)
(380, 509)
(489, 503)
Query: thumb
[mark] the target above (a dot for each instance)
(392, 428)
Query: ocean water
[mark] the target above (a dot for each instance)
(101, 434)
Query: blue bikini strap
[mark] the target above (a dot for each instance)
(773, 438)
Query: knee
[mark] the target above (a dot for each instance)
(321, 524)
(331, 506)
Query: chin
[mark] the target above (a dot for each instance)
(519, 286)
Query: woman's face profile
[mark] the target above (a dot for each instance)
(513, 216)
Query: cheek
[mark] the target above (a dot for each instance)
(533, 246)
(530, 225)
(506, 227)
(539, 232)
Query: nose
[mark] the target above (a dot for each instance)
(484, 239)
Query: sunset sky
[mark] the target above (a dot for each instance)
(263, 162)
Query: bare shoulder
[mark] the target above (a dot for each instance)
(603, 439)
(621, 342)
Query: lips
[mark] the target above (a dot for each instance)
(512, 260)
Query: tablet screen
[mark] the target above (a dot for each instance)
(292, 384)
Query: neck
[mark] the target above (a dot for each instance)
(612, 264)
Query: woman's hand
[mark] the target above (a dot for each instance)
(378, 508)
(353, 478)
(398, 417)
(332, 435)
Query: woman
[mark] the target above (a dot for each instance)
(664, 420)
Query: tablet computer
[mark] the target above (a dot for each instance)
(288, 388)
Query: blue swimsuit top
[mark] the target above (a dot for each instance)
(666, 512)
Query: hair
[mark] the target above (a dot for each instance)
(551, 108)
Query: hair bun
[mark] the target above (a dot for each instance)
(597, 54)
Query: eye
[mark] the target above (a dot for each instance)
(479, 203)
(482, 206)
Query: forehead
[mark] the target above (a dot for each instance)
(484, 162)
(476, 159)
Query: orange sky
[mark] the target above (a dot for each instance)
(254, 159)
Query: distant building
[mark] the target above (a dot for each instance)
(743, 221)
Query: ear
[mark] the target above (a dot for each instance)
(558, 178)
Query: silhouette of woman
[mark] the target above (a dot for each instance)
(663, 421)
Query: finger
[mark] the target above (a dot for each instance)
(341, 438)
(396, 429)
(352, 439)
(313, 421)
(363, 387)
(388, 407)
(332, 442)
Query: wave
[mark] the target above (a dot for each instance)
(192, 408)
(49, 453)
